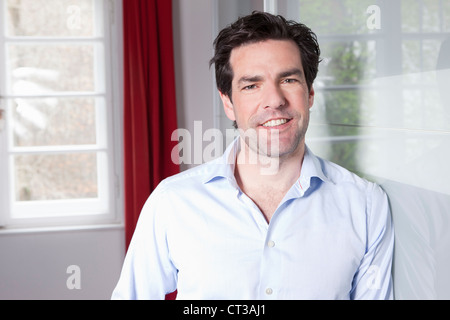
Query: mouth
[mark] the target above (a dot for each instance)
(275, 122)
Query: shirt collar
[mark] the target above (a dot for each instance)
(223, 167)
(311, 167)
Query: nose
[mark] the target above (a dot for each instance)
(273, 97)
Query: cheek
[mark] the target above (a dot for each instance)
(245, 109)
(303, 102)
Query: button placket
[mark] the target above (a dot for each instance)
(258, 217)
(270, 265)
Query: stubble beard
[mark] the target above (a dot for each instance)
(267, 143)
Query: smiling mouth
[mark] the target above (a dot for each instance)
(275, 123)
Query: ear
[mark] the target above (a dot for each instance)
(311, 97)
(227, 106)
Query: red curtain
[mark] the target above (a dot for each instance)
(149, 102)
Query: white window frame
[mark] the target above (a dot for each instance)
(108, 207)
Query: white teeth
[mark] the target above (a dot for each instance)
(274, 123)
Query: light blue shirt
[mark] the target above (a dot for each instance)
(331, 237)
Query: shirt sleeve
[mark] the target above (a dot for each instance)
(148, 272)
(373, 280)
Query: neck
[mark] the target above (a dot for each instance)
(263, 171)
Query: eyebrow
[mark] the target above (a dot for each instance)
(284, 74)
(291, 72)
(249, 79)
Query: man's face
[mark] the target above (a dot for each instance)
(270, 96)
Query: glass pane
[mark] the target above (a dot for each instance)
(53, 121)
(423, 109)
(342, 107)
(347, 63)
(430, 54)
(420, 56)
(50, 18)
(336, 143)
(411, 62)
(55, 177)
(422, 16)
(431, 15)
(335, 17)
(40, 69)
(446, 16)
(410, 16)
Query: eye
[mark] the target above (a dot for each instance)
(289, 80)
(250, 87)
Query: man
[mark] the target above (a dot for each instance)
(306, 229)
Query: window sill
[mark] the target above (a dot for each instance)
(55, 229)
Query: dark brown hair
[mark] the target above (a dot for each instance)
(261, 26)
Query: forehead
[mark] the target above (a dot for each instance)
(265, 56)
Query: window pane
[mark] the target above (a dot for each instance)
(446, 16)
(431, 15)
(53, 121)
(423, 109)
(55, 177)
(335, 17)
(411, 62)
(347, 63)
(430, 54)
(50, 18)
(420, 56)
(423, 15)
(40, 69)
(342, 107)
(410, 16)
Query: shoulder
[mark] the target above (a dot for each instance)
(356, 187)
(365, 198)
(341, 176)
(189, 183)
(170, 191)
(194, 176)
(352, 185)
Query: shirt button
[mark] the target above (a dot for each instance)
(269, 291)
(271, 244)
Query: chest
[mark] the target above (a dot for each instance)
(267, 200)
(304, 253)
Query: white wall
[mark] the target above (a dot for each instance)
(193, 34)
(34, 264)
